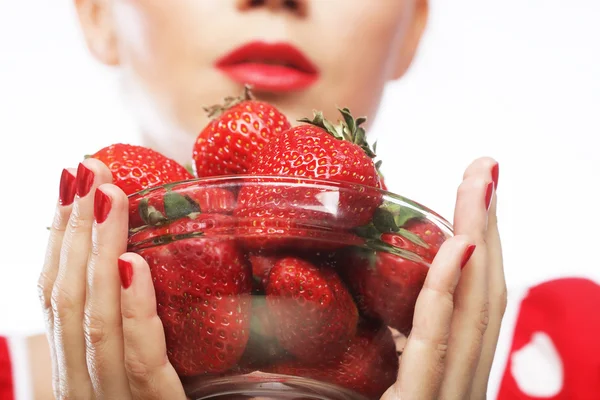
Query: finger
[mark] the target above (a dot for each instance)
(68, 295)
(470, 319)
(150, 373)
(423, 361)
(497, 299)
(485, 167)
(102, 320)
(51, 262)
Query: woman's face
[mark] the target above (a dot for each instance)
(179, 56)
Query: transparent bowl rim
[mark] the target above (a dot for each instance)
(315, 182)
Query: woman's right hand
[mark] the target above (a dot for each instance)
(106, 340)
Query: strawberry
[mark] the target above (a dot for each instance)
(314, 313)
(202, 283)
(164, 204)
(405, 226)
(261, 267)
(230, 142)
(135, 168)
(385, 285)
(429, 233)
(419, 236)
(369, 366)
(331, 157)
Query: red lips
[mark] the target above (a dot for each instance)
(276, 67)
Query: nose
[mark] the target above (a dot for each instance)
(298, 7)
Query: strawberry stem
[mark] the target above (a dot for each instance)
(230, 101)
(348, 129)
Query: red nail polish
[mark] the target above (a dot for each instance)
(489, 192)
(467, 256)
(85, 179)
(102, 206)
(495, 174)
(66, 193)
(125, 273)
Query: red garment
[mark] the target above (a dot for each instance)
(6, 378)
(555, 353)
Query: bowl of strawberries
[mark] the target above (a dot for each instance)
(281, 265)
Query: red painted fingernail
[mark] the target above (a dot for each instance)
(489, 192)
(125, 273)
(495, 174)
(102, 206)
(467, 256)
(85, 179)
(66, 193)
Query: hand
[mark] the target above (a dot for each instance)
(450, 350)
(106, 340)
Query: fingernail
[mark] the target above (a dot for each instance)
(125, 273)
(67, 189)
(102, 206)
(467, 256)
(85, 179)
(495, 174)
(488, 195)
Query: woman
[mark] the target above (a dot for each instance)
(176, 58)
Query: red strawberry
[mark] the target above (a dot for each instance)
(331, 156)
(313, 311)
(136, 168)
(202, 286)
(194, 224)
(429, 233)
(369, 366)
(385, 285)
(230, 143)
(261, 267)
(406, 227)
(169, 203)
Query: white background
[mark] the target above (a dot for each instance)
(515, 79)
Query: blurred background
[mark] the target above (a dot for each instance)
(518, 80)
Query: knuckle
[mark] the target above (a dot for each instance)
(96, 249)
(137, 370)
(128, 313)
(441, 295)
(502, 301)
(63, 304)
(77, 222)
(483, 318)
(438, 344)
(94, 328)
(441, 351)
(44, 288)
(61, 217)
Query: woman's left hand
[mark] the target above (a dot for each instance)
(450, 350)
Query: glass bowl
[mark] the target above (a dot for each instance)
(284, 288)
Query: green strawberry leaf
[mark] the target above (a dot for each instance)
(178, 206)
(150, 215)
(391, 217)
(369, 231)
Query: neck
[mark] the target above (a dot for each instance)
(177, 147)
